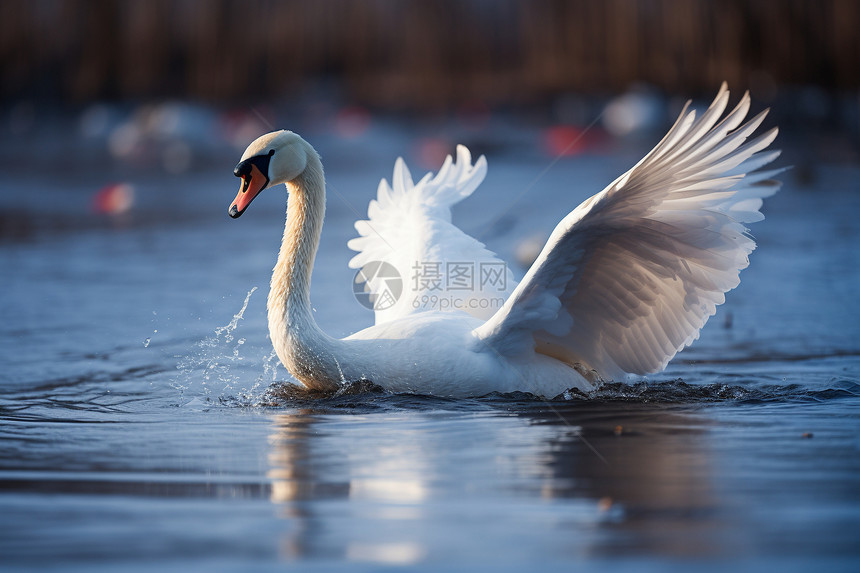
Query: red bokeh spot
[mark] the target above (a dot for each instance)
(113, 199)
(432, 151)
(564, 140)
(351, 122)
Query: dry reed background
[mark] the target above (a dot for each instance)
(418, 54)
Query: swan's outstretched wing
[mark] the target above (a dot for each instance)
(440, 268)
(629, 277)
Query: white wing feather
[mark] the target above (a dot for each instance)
(409, 226)
(629, 277)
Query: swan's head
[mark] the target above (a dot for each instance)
(272, 159)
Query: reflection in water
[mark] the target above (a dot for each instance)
(294, 480)
(608, 477)
(384, 483)
(649, 474)
(291, 478)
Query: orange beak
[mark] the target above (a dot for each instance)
(252, 183)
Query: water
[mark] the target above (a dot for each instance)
(143, 423)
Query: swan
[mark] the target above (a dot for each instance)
(625, 280)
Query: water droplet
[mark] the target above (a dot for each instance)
(146, 342)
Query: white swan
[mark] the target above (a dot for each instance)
(625, 281)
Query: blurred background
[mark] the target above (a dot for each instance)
(419, 56)
(162, 84)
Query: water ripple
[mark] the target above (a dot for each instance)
(367, 395)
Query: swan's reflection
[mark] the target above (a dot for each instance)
(383, 480)
(400, 487)
(647, 468)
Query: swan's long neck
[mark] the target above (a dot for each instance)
(306, 351)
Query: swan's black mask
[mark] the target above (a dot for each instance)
(254, 172)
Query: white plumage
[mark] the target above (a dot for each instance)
(629, 277)
(625, 281)
(409, 227)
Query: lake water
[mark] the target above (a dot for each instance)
(140, 426)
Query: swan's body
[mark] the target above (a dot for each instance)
(625, 281)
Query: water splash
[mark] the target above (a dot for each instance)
(256, 395)
(216, 366)
(228, 329)
(148, 339)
